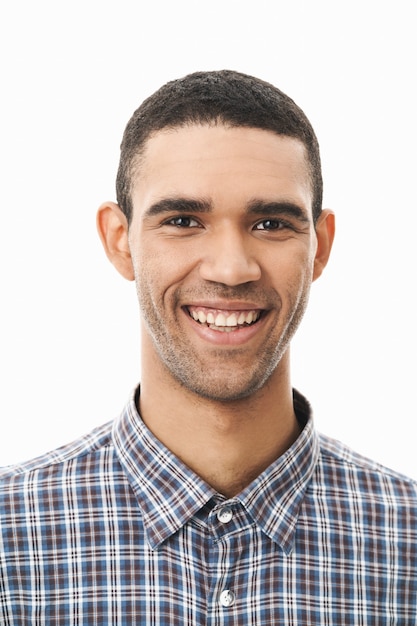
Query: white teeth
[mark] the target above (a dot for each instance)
(223, 321)
(223, 329)
(220, 320)
(232, 320)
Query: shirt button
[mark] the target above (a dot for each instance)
(227, 598)
(225, 514)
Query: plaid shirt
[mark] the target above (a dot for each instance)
(114, 530)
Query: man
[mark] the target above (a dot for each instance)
(212, 499)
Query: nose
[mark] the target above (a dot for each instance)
(228, 259)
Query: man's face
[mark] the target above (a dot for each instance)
(223, 247)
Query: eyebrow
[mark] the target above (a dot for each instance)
(259, 207)
(170, 205)
(278, 208)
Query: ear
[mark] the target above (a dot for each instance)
(113, 229)
(325, 229)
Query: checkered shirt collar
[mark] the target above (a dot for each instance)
(169, 494)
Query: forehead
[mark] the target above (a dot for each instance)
(222, 163)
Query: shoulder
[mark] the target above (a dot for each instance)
(347, 471)
(77, 451)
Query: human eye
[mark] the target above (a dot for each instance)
(182, 221)
(271, 225)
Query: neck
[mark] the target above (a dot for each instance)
(228, 444)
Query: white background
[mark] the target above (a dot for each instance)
(71, 75)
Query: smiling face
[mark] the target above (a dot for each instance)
(223, 250)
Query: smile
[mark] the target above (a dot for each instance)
(224, 321)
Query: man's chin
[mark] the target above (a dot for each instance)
(223, 391)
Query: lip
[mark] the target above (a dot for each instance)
(234, 338)
(226, 305)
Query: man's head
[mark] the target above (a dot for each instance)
(209, 98)
(220, 224)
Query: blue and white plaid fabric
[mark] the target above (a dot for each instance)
(114, 530)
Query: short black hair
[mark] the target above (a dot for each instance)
(217, 97)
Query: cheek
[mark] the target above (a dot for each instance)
(168, 261)
(149, 259)
(295, 280)
(157, 277)
(292, 266)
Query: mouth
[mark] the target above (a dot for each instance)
(224, 321)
